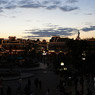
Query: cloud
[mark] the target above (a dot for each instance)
(47, 4)
(89, 14)
(52, 31)
(68, 8)
(31, 6)
(51, 2)
(56, 2)
(8, 4)
(23, 2)
(36, 4)
(87, 29)
(60, 31)
(10, 7)
(3, 2)
(51, 25)
(13, 17)
(72, 1)
(1, 10)
(51, 7)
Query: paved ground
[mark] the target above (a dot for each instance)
(49, 80)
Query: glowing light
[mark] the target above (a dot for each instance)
(62, 64)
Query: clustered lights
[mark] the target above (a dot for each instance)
(84, 56)
(62, 67)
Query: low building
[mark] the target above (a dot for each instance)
(12, 43)
(1, 41)
(91, 44)
(58, 44)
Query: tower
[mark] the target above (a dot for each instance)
(78, 37)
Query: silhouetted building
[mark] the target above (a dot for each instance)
(1, 41)
(13, 43)
(91, 44)
(54, 38)
(58, 44)
(12, 38)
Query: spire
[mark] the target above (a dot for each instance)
(78, 37)
(78, 33)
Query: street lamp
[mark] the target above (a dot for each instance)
(44, 54)
(83, 56)
(83, 60)
(62, 63)
(62, 66)
(63, 69)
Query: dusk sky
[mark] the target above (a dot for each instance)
(44, 18)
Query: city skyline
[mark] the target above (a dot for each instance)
(44, 18)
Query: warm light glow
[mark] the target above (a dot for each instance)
(62, 64)
(65, 69)
(83, 58)
(84, 54)
(44, 53)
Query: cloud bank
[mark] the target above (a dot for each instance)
(87, 29)
(68, 8)
(72, 1)
(52, 31)
(56, 30)
(47, 4)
